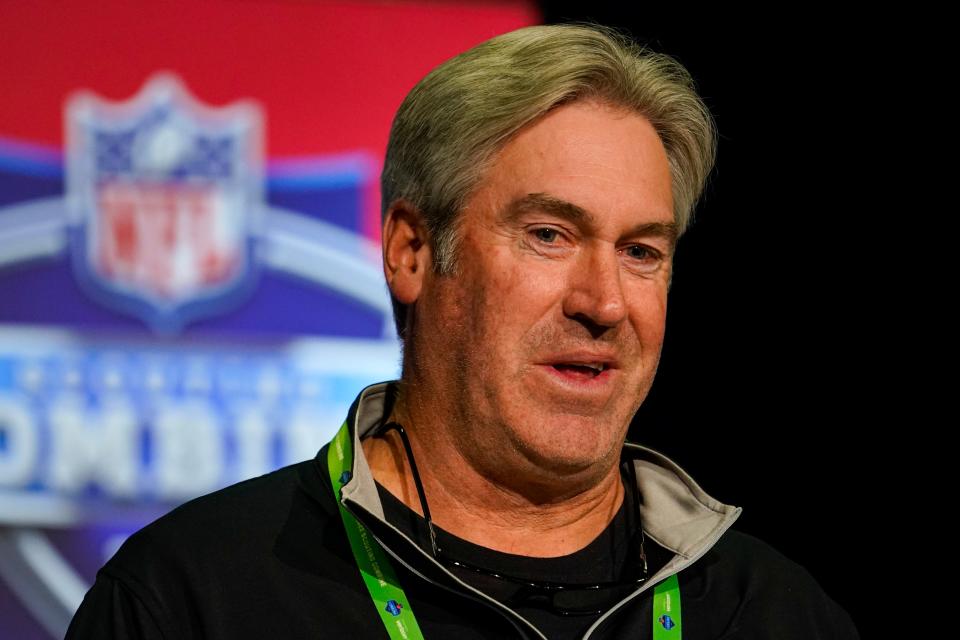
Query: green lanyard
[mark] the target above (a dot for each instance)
(375, 568)
(666, 610)
(385, 590)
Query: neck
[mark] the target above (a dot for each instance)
(543, 516)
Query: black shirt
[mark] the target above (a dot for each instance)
(614, 555)
(268, 558)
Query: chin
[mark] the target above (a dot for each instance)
(570, 442)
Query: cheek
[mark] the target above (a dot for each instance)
(531, 311)
(474, 311)
(503, 292)
(649, 317)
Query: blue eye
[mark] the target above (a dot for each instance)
(639, 252)
(643, 259)
(546, 234)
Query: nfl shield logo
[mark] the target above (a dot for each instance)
(165, 196)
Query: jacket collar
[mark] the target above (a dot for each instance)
(676, 512)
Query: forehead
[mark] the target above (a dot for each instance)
(603, 159)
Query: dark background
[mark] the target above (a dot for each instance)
(777, 378)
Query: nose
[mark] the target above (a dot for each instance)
(595, 291)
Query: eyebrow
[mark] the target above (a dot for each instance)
(580, 216)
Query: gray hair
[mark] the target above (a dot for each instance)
(454, 121)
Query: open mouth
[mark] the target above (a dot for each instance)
(590, 370)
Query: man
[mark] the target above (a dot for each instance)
(534, 190)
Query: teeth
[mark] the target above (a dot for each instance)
(596, 366)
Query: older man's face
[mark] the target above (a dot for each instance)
(547, 338)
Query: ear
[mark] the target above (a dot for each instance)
(406, 251)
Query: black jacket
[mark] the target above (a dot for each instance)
(268, 558)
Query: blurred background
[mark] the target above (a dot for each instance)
(191, 294)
